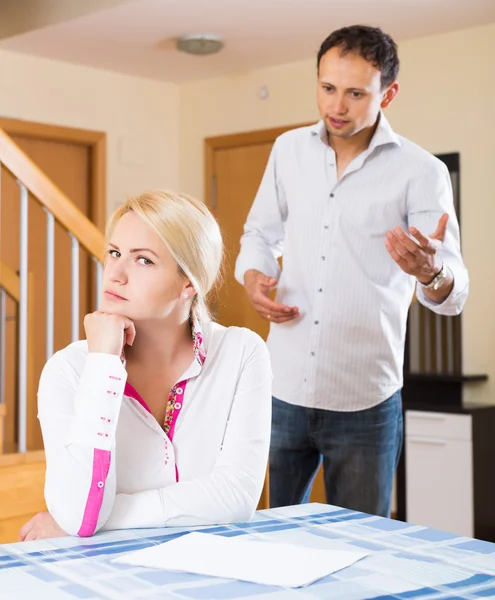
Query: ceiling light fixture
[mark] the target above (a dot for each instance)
(200, 43)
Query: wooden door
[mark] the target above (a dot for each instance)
(237, 164)
(238, 173)
(68, 165)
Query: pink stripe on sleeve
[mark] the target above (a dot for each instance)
(101, 466)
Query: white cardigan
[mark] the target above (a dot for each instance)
(110, 464)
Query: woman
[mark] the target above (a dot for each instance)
(161, 417)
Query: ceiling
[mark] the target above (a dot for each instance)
(137, 37)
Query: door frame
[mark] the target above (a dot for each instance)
(96, 140)
(234, 140)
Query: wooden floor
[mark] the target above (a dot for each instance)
(22, 479)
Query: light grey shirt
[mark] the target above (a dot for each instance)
(345, 352)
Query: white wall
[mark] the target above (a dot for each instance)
(446, 104)
(140, 116)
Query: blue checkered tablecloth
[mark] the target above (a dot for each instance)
(405, 561)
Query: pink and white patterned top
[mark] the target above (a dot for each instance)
(111, 465)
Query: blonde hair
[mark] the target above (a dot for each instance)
(189, 231)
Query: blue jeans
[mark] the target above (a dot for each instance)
(360, 452)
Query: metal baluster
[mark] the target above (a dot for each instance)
(50, 282)
(75, 288)
(23, 321)
(99, 278)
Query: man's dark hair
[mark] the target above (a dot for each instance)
(371, 43)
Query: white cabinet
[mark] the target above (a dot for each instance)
(439, 471)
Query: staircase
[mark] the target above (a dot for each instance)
(22, 471)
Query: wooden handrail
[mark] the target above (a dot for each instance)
(50, 196)
(9, 281)
(25, 458)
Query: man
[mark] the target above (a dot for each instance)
(361, 216)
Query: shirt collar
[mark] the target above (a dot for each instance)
(383, 135)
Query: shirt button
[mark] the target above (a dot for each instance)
(100, 484)
(317, 322)
(332, 195)
(312, 353)
(320, 289)
(177, 405)
(323, 258)
(326, 226)
(179, 391)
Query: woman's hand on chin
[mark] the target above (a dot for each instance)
(108, 333)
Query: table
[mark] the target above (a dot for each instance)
(405, 561)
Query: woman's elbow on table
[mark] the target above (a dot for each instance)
(75, 516)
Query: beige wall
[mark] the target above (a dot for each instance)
(138, 115)
(230, 105)
(156, 130)
(447, 104)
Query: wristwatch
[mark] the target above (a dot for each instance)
(439, 279)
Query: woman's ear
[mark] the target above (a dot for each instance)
(188, 291)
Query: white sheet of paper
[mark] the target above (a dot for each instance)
(242, 558)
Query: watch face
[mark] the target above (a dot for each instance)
(438, 284)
